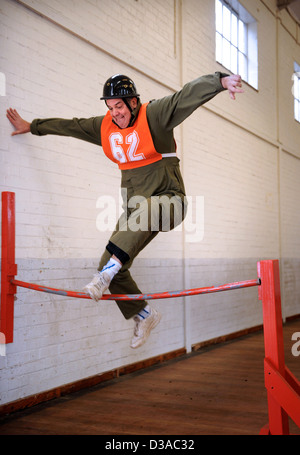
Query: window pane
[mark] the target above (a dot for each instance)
(226, 53)
(296, 86)
(219, 16)
(219, 48)
(296, 91)
(234, 30)
(242, 69)
(234, 65)
(226, 22)
(242, 37)
(297, 99)
(297, 108)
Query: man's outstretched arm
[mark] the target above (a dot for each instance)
(84, 129)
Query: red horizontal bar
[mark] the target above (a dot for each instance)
(158, 295)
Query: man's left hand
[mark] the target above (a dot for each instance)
(233, 84)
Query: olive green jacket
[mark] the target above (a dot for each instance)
(163, 115)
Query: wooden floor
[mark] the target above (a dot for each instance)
(218, 390)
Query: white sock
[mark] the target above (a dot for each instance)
(111, 268)
(143, 314)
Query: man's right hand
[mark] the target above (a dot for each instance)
(21, 126)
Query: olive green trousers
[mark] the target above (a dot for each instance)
(153, 201)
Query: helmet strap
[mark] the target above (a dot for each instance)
(127, 104)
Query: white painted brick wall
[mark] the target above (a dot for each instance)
(290, 225)
(232, 154)
(239, 185)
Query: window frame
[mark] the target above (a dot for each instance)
(245, 51)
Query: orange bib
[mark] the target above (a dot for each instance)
(129, 147)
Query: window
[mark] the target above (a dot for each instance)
(236, 40)
(296, 91)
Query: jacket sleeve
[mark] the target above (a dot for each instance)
(85, 129)
(170, 111)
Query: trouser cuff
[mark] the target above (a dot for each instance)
(120, 254)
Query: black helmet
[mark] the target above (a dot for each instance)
(119, 86)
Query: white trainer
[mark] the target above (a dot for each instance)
(143, 328)
(99, 284)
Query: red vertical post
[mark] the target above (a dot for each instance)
(8, 266)
(268, 272)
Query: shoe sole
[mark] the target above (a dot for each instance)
(151, 327)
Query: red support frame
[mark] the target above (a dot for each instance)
(283, 389)
(8, 266)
